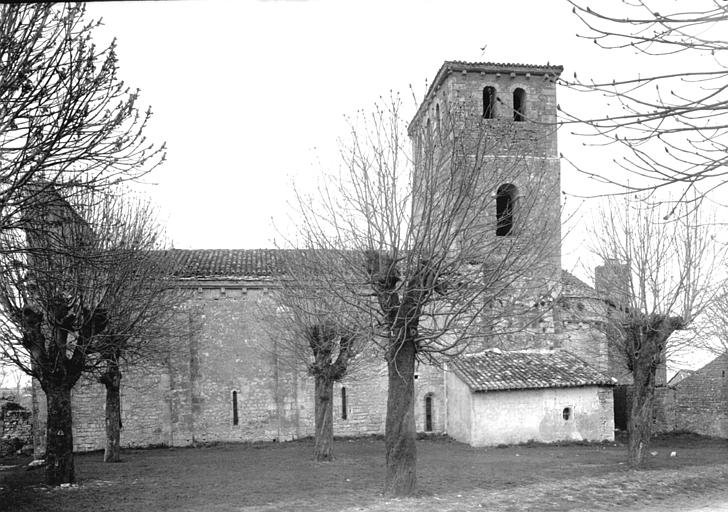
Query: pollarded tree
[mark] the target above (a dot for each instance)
(142, 304)
(67, 120)
(52, 283)
(435, 250)
(321, 332)
(671, 123)
(664, 281)
(62, 300)
(68, 125)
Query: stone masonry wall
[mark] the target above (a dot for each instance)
(700, 401)
(523, 154)
(189, 398)
(522, 415)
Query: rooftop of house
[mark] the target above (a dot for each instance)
(494, 370)
(680, 376)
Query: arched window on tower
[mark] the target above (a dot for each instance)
(343, 403)
(519, 105)
(505, 206)
(489, 102)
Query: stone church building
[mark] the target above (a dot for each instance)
(228, 382)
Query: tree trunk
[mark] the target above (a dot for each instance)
(324, 437)
(59, 436)
(639, 424)
(112, 381)
(399, 437)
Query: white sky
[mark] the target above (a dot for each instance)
(250, 95)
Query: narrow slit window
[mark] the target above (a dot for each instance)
(428, 413)
(235, 407)
(519, 105)
(343, 403)
(489, 102)
(505, 206)
(437, 119)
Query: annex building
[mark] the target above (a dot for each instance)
(552, 381)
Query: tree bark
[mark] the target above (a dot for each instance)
(112, 381)
(399, 437)
(59, 435)
(323, 407)
(639, 424)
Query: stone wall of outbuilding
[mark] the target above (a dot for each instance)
(518, 416)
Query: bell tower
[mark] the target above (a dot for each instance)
(500, 118)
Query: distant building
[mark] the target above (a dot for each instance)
(679, 377)
(699, 401)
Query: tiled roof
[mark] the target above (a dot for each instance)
(501, 67)
(572, 286)
(202, 263)
(500, 371)
(454, 66)
(237, 263)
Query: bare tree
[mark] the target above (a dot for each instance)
(62, 286)
(68, 126)
(66, 119)
(433, 248)
(672, 124)
(664, 281)
(142, 305)
(711, 329)
(315, 329)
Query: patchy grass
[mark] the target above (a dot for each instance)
(452, 477)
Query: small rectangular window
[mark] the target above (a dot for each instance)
(235, 407)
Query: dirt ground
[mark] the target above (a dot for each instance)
(451, 477)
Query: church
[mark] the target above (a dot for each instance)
(227, 382)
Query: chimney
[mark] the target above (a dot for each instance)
(611, 280)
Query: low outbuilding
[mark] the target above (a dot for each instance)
(496, 397)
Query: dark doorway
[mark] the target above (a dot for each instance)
(428, 413)
(621, 406)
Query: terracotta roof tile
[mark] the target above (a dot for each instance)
(267, 262)
(499, 371)
(572, 286)
(237, 263)
(502, 67)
